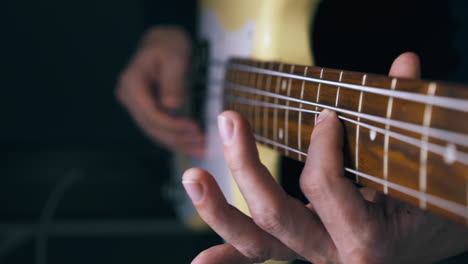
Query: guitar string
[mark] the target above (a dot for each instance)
(453, 137)
(446, 102)
(442, 203)
(437, 149)
(450, 206)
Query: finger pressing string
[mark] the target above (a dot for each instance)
(272, 209)
(336, 200)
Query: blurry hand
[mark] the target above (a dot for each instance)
(151, 88)
(341, 224)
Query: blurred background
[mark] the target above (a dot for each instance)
(61, 124)
(77, 175)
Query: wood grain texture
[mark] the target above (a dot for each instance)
(407, 145)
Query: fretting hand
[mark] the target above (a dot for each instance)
(341, 224)
(151, 88)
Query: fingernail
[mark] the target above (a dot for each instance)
(194, 190)
(226, 129)
(322, 116)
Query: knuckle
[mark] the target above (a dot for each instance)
(255, 253)
(236, 165)
(239, 161)
(317, 177)
(269, 219)
(310, 182)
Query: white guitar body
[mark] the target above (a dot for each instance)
(275, 30)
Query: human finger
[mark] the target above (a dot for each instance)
(192, 144)
(406, 65)
(368, 194)
(166, 57)
(253, 242)
(336, 200)
(272, 209)
(221, 254)
(172, 85)
(135, 93)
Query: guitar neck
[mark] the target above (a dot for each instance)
(406, 138)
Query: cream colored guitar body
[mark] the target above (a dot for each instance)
(273, 30)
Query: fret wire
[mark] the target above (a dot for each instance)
(243, 100)
(453, 137)
(232, 86)
(361, 95)
(386, 138)
(257, 110)
(251, 77)
(446, 102)
(286, 114)
(338, 90)
(318, 95)
(461, 157)
(299, 135)
(442, 203)
(275, 113)
(423, 150)
(265, 112)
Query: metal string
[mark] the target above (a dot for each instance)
(446, 102)
(445, 204)
(453, 137)
(437, 149)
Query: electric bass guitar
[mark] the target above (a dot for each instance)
(405, 138)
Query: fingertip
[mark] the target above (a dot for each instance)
(240, 122)
(201, 187)
(192, 175)
(224, 253)
(233, 115)
(326, 122)
(229, 112)
(406, 65)
(409, 55)
(192, 180)
(233, 127)
(326, 114)
(326, 142)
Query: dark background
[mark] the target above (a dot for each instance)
(59, 62)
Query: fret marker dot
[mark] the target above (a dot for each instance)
(281, 133)
(372, 135)
(284, 85)
(450, 154)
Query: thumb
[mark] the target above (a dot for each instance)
(406, 66)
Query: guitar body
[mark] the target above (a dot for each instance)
(269, 30)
